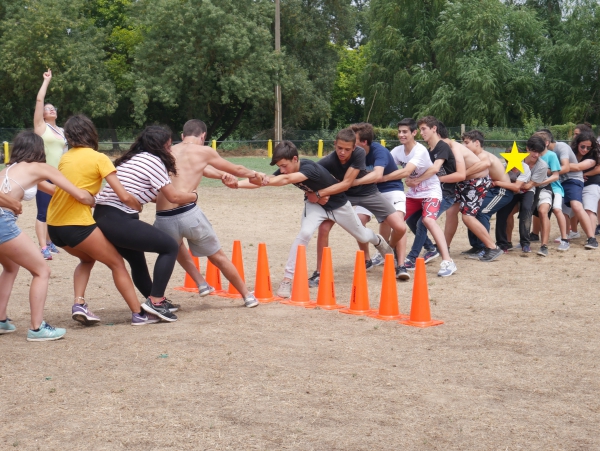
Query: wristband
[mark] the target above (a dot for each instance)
(317, 194)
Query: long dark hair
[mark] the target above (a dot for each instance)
(587, 136)
(28, 147)
(81, 132)
(152, 140)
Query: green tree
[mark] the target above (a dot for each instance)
(40, 34)
(571, 67)
(347, 102)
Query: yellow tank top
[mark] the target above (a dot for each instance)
(53, 146)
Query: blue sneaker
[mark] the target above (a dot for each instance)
(52, 247)
(409, 264)
(377, 259)
(143, 318)
(46, 253)
(431, 255)
(526, 249)
(46, 333)
(6, 327)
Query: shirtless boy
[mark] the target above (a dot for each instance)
(188, 221)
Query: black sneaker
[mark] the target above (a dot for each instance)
(369, 265)
(533, 237)
(592, 243)
(168, 304)
(402, 273)
(597, 232)
(489, 255)
(313, 281)
(159, 310)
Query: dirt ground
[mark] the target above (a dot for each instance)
(515, 366)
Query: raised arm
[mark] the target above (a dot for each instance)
(39, 126)
(125, 197)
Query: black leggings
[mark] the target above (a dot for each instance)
(132, 238)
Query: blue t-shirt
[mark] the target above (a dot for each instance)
(380, 156)
(552, 161)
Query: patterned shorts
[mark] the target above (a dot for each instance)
(471, 193)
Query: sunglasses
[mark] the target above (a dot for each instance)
(583, 147)
(51, 108)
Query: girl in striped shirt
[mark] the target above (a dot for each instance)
(144, 172)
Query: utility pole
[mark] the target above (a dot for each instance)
(278, 120)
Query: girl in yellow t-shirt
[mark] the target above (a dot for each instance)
(72, 227)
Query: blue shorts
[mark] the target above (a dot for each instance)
(42, 200)
(573, 191)
(8, 226)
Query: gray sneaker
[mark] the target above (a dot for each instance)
(563, 246)
(205, 289)
(285, 289)
(543, 251)
(377, 259)
(159, 310)
(592, 243)
(447, 268)
(402, 273)
(489, 255)
(383, 247)
(250, 301)
(313, 281)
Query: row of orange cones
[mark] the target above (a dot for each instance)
(420, 315)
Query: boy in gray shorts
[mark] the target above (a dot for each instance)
(188, 221)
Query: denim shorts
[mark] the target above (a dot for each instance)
(8, 226)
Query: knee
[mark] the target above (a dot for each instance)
(324, 228)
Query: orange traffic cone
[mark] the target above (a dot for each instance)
(420, 315)
(238, 262)
(359, 300)
(262, 287)
(300, 294)
(188, 283)
(326, 295)
(388, 301)
(213, 278)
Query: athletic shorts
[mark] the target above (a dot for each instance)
(555, 200)
(397, 198)
(429, 207)
(8, 226)
(591, 196)
(42, 200)
(573, 191)
(471, 194)
(189, 222)
(375, 203)
(70, 236)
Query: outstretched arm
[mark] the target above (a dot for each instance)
(215, 160)
(39, 126)
(400, 173)
(56, 177)
(342, 186)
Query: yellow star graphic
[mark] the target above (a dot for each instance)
(514, 159)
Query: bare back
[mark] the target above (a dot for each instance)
(190, 160)
(497, 170)
(469, 157)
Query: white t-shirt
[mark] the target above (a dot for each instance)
(419, 156)
(143, 176)
(516, 175)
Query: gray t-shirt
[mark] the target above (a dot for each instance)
(539, 172)
(564, 152)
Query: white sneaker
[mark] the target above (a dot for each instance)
(285, 289)
(447, 268)
(573, 235)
